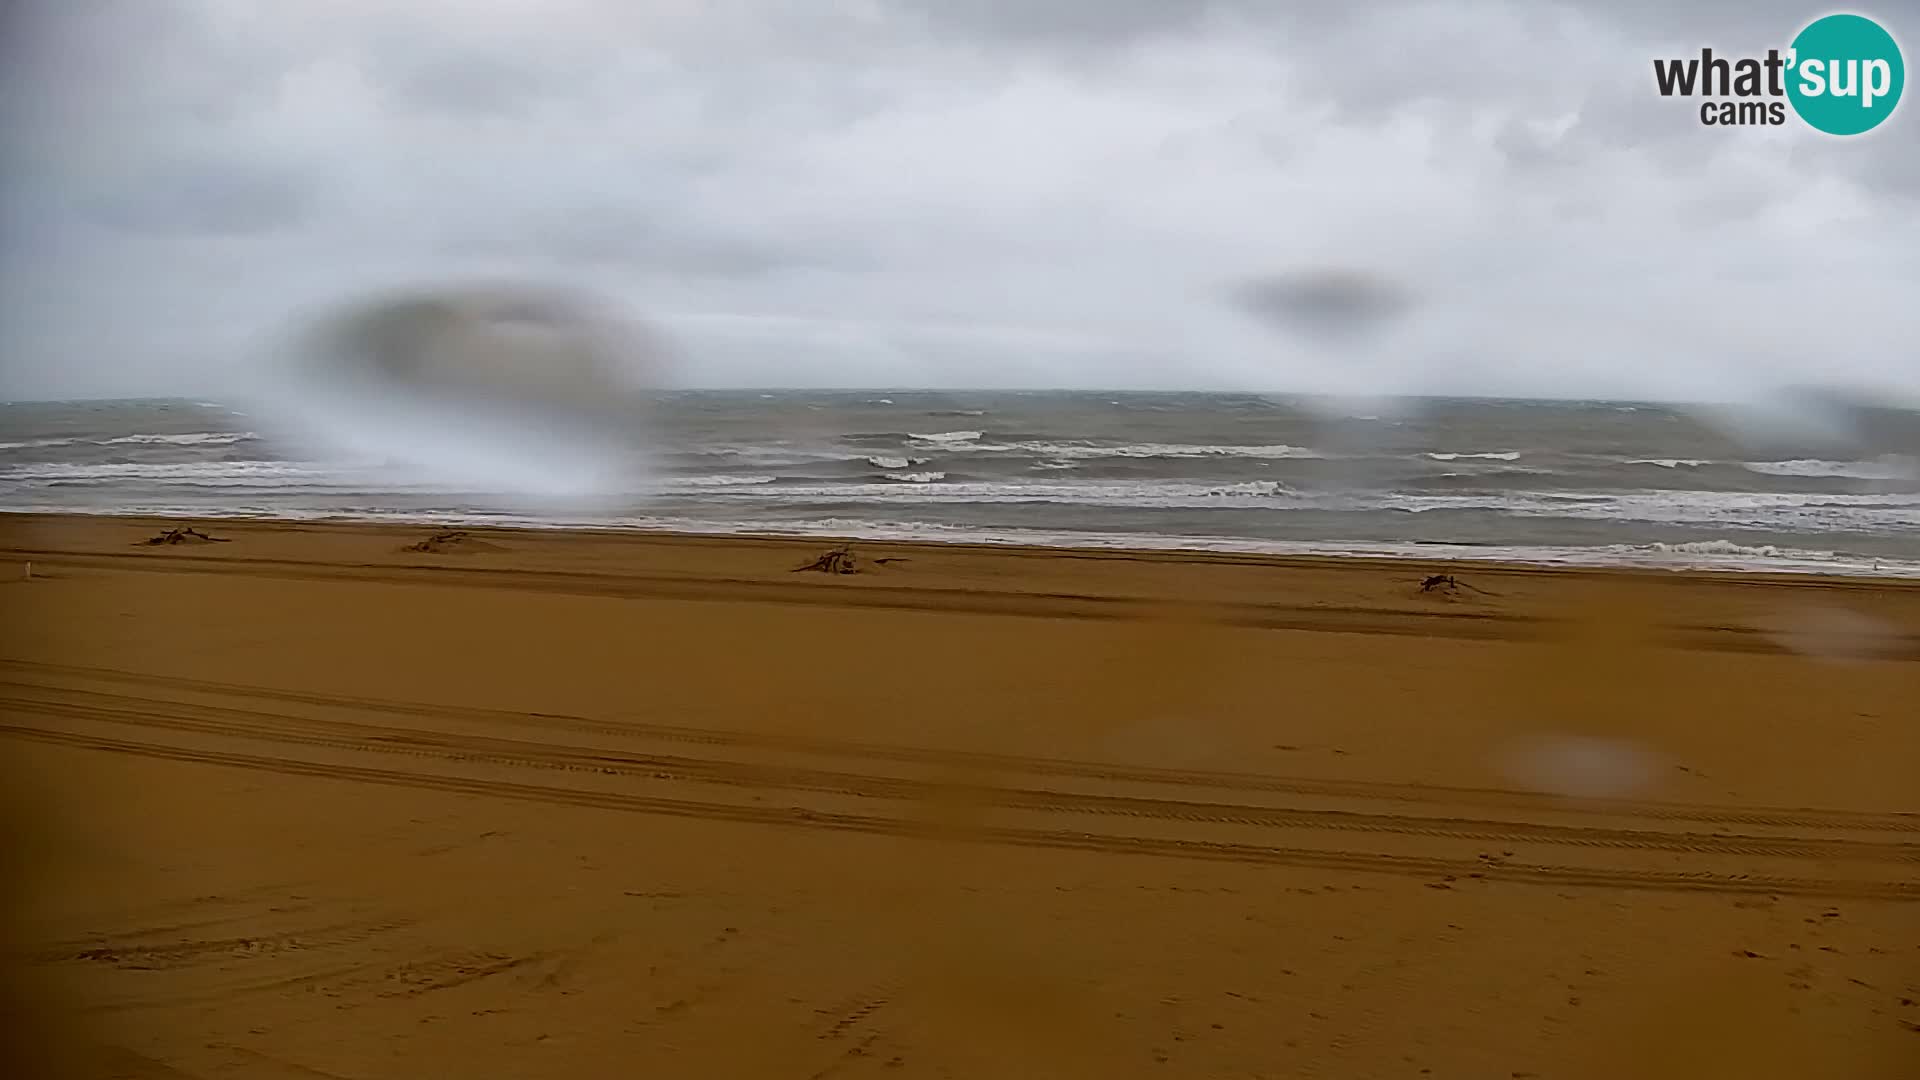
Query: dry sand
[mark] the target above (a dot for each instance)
(307, 804)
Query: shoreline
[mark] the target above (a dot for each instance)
(1203, 549)
(1720, 611)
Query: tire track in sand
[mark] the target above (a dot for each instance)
(1779, 817)
(1255, 854)
(343, 735)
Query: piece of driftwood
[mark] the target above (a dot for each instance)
(1449, 583)
(452, 542)
(182, 536)
(437, 540)
(837, 561)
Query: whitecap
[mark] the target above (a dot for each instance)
(724, 480)
(195, 438)
(31, 444)
(1067, 451)
(1883, 469)
(1728, 547)
(1251, 487)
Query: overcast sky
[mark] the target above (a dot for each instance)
(956, 192)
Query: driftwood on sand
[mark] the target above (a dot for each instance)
(840, 561)
(180, 535)
(437, 540)
(451, 540)
(837, 561)
(1449, 584)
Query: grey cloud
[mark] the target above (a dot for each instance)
(625, 237)
(475, 83)
(1887, 161)
(850, 178)
(1072, 23)
(1722, 24)
(227, 199)
(425, 64)
(1083, 23)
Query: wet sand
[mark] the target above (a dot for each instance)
(310, 803)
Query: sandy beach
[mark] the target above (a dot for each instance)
(305, 800)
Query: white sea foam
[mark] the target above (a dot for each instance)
(723, 480)
(772, 453)
(1882, 469)
(1069, 450)
(888, 461)
(1177, 450)
(1728, 547)
(1503, 455)
(34, 444)
(1251, 487)
(194, 438)
(1671, 463)
(1739, 512)
(921, 488)
(263, 474)
(1782, 511)
(947, 436)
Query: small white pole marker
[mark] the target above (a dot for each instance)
(29, 570)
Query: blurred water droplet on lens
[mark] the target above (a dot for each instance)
(1328, 305)
(1348, 311)
(1578, 766)
(511, 390)
(1785, 422)
(1834, 635)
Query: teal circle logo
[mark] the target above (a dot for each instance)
(1845, 74)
